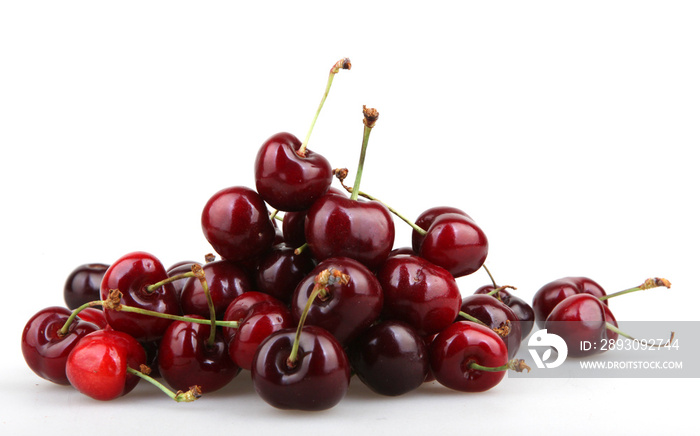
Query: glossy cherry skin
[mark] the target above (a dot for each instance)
(280, 270)
(337, 226)
(293, 223)
(419, 293)
(44, 350)
(390, 358)
(495, 315)
(578, 318)
(83, 284)
(551, 294)
(178, 268)
(132, 274)
(454, 242)
(239, 308)
(97, 365)
(347, 309)
(425, 220)
(456, 347)
(317, 381)
(95, 316)
(236, 223)
(519, 306)
(262, 320)
(287, 180)
(226, 281)
(185, 358)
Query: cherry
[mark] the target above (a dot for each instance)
(419, 293)
(337, 226)
(45, 348)
(456, 243)
(178, 268)
(522, 310)
(496, 316)
(288, 175)
(578, 318)
(551, 294)
(226, 281)
(186, 357)
(281, 269)
(426, 218)
(133, 274)
(240, 306)
(97, 365)
(95, 316)
(390, 358)
(470, 357)
(317, 380)
(346, 307)
(261, 321)
(236, 223)
(83, 284)
(293, 223)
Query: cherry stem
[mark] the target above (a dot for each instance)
(471, 318)
(614, 328)
(325, 278)
(194, 393)
(490, 275)
(341, 64)
(370, 119)
(114, 303)
(517, 365)
(648, 284)
(301, 249)
(495, 291)
(341, 174)
(198, 272)
(153, 287)
(74, 314)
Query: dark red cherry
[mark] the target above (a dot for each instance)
(338, 226)
(186, 358)
(551, 294)
(44, 349)
(521, 309)
(293, 223)
(97, 366)
(318, 380)
(497, 316)
(236, 223)
(426, 218)
(280, 270)
(262, 320)
(581, 318)
(83, 284)
(178, 268)
(226, 281)
(390, 358)
(419, 293)
(131, 275)
(287, 179)
(346, 309)
(457, 347)
(454, 242)
(239, 308)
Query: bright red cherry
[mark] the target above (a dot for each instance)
(458, 347)
(45, 349)
(456, 243)
(262, 320)
(226, 281)
(240, 306)
(187, 358)
(289, 179)
(97, 366)
(132, 275)
(317, 380)
(497, 316)
(390, 358)
(83, 284)
(236, 223)
(426, 218)
(95, 316)
(346, 308)
(419, 293)
(551, 294)
(581, 318)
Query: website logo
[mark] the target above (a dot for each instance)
(545, 342)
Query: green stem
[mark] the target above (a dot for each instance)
(341, 64)
(517, 365)
(358, 176)
(490, 275)
(74, 314)
(123, 308)
(648, 284)
(179, 396)
(199, 273)
(153, 287)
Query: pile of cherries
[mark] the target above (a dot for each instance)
(308, 290)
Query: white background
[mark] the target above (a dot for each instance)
(568, 130)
